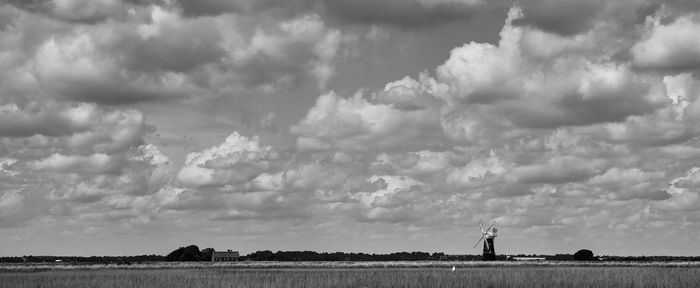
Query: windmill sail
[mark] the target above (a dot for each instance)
(477, 242)
(488, 236)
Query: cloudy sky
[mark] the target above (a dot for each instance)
(138, 126)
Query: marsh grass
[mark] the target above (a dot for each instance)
(36, 267)
(497, 276)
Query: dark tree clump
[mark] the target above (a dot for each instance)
(583, 255)
(205, 255)
(190, 253)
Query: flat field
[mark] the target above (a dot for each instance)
(354, 274)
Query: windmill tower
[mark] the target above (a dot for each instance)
(488, 236)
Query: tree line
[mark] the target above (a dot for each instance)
(193, 253)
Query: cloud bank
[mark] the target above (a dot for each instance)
(579, 121)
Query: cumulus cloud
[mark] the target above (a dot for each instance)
(569, 116)
(669, 47)
(583, 129)
(286, 53)
(43, 119)
(625, 184)
(243, 179)
(61, 186)
(410, 94)
(74, 158)
(154, 53)
(238, 160)
(572, 89)
(683, 195)
(78, 128)
(356, 124)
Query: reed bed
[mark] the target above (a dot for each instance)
(36, 267)
(466, 276)
(372, 274)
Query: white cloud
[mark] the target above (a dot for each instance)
(284, 53)
(355, 124)
(74, 159)
(96, 163)
(409, 94)
(154, 53)
(238, 160)
(73, 127)
(684, 195)
(478, 172)
(573, 88)
(552, 130)
(669, 47)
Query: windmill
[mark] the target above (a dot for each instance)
(488, 236)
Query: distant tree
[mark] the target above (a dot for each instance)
(175, 255)
(437, 256)
(205, 254)
(583, 255)
(266, 255)
(189, 253)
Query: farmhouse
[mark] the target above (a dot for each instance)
(222, 256)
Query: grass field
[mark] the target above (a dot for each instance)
(435, 275)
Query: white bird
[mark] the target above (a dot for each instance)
(453, 268)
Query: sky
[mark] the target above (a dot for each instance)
(139, 126)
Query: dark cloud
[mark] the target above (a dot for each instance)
(8, 16)
(511, 190)
(683, 6)
(178, 47)
(80, 128)
(31, 5)
(112, 93)
(654, 195)
(30, 119)
(563, 17)
(576, 110)
(409, 14)
(217, 7)
(558, 171)
(78, 11)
